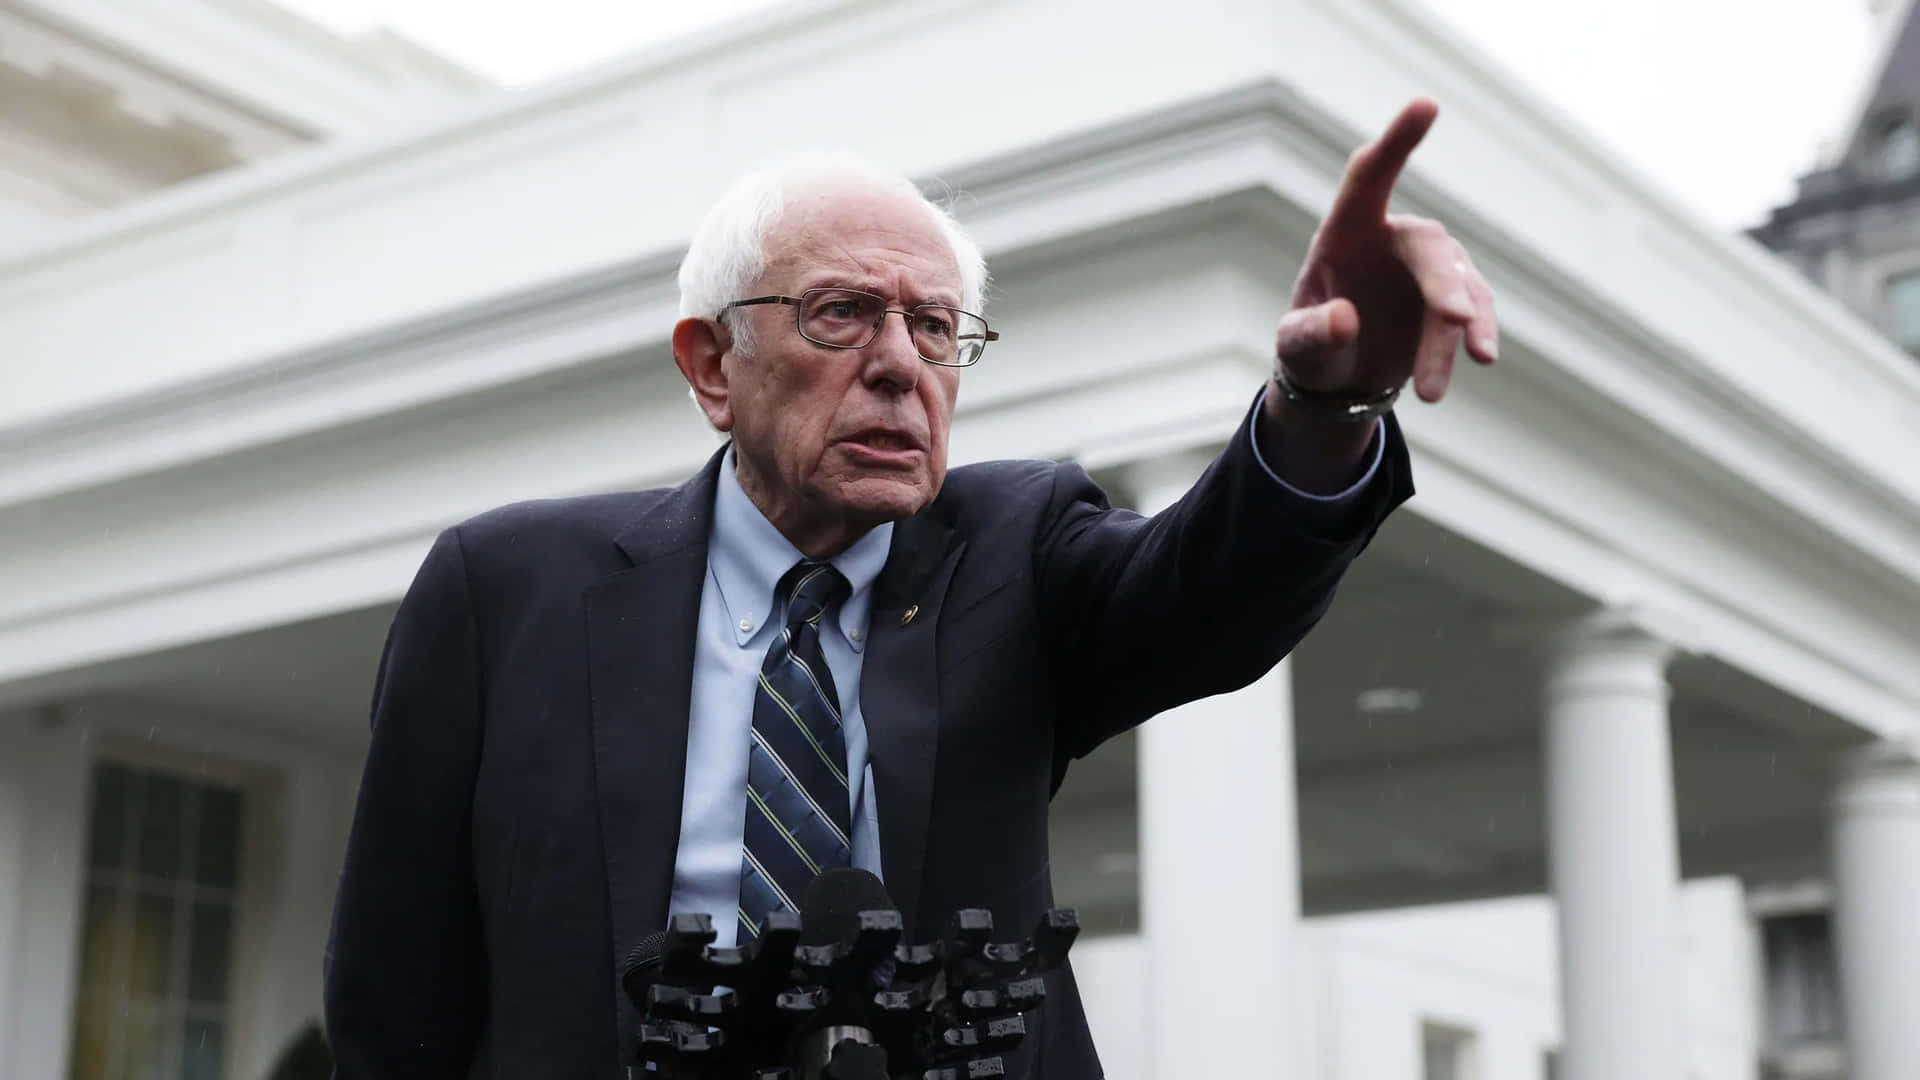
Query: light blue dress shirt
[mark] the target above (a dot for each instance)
(746, 557)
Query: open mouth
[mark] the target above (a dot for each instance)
(883, 448)
(885, 440)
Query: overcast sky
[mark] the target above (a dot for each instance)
(1722, 103)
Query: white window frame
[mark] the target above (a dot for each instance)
(259, 788)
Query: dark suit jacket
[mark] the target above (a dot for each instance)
(520, 809)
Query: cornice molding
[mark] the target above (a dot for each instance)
(406, 366)
(125, 93)
(259, 59)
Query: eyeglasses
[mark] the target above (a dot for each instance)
(850, 319)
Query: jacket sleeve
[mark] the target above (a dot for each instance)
(1142, 614)
(405, 981)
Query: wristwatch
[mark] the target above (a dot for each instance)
(1333, 404)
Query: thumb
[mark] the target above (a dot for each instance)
(1309, 336)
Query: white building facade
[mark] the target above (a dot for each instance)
(1653, 617)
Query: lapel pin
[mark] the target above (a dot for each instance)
(907, 615)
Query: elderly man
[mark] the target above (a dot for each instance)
(824, 650)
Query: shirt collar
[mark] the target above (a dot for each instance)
(747, 557)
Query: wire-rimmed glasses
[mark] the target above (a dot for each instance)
(850, 319)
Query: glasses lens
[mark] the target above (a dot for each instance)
(848, 319)
(839, 316)
(949, 336)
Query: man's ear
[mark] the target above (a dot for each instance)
(699, 347)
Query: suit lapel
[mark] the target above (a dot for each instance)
(641, 626)
(900, 699)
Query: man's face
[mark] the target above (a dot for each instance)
(834, 441)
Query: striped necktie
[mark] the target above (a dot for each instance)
(798, 802)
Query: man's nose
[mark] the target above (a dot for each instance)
(891, 359)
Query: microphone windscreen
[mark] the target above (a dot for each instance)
(649, 953)
(643, 967)
(830, 909)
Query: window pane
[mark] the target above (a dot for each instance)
(108, 840)
(101, 936)
(218, 858)
(200, 1051)
(1444, 1052)
(162, 824)
(1802, 982)
(156, 946)
(152, 948)
(152, 1053)
(1899, 152)
(92, 1025)
(207, 968)
(1903, 310)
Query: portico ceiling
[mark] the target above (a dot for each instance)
(1444, 802)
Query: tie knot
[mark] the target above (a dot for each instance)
(810, 588)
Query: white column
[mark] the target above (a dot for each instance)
(1219, 871)
(1612, 851)
(15, 840)
(1876, 872)
(47, 763)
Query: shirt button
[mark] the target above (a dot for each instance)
(746, 626)
(858, 636)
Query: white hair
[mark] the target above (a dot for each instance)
(729, 249)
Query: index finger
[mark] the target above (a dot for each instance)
(1367, 187)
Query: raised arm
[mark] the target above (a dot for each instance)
(1215, 590)
(1142, 614)
(1380, 298)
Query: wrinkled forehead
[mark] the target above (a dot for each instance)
(861, 236)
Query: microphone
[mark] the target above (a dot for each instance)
(848, 921)
(830, 908)
(642, 968)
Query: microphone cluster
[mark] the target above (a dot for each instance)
(832, 993)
